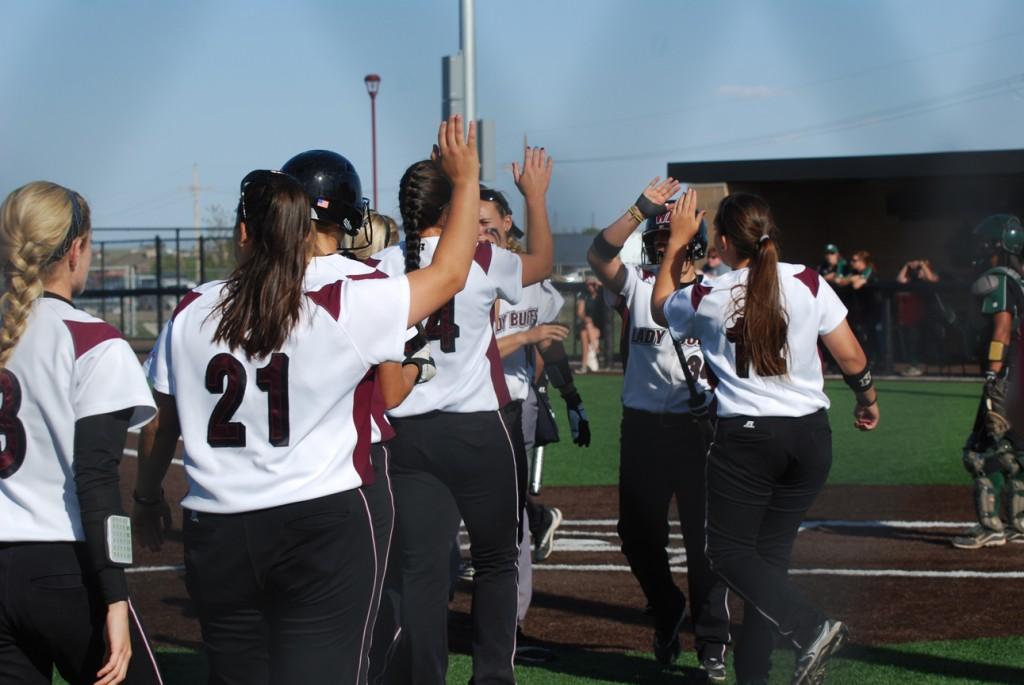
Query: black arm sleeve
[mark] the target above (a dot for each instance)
(99, 442)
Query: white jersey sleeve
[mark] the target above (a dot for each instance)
(505, 270)
(551, 303)
(375, 313)
(832, 311)
(679, 311)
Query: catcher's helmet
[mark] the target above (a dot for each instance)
(1000, 233)
(696, 249)
(335, 192)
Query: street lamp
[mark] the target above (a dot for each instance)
(372, 82)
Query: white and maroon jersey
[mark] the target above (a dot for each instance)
(708, 313)
(67, 365)
(470, 376)
(327, 269)
(540, 303)
(654, 379)
(289, 427)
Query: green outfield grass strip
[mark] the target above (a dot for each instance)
(918, 442)
(995, 661)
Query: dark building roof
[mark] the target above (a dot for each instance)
(975, 163)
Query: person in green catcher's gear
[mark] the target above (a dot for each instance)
(994, 452)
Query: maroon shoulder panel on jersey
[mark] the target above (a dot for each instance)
(328, 297)
(369, 274)
(190, 297)
(370, 261)
(482, 256)
(809, 277)
(88, 334)
(697, 294)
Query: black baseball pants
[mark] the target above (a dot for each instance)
(763, 475)
(52, 612)
(285, 595)
(662, 455)
(446, 466)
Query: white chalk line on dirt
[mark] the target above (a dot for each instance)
(844, 572)
(810, 523)
(622, 568)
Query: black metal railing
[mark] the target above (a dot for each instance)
(136, 283)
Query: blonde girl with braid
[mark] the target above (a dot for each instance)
(71, 388)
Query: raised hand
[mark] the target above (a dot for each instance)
(534, 175)
(457, 152)
(685, 219)
(652, 201)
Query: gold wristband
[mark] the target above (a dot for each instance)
(996, 351)
(635, 213)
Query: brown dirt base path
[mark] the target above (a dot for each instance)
(602, 609)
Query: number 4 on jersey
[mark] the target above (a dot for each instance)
(441, 326)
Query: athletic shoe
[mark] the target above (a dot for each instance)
(592, 360)
(979, 536)
(531, 653)
(714, 669)
(912, 371)
(1014, 535)
(810, 665)
(666, 645)
(544, 542)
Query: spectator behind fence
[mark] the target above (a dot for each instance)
(590, 314)
(714, 266)
(913, 313)
(861, 298)
(833, 266)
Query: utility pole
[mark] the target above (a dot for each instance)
(467, 45)
(196, 189)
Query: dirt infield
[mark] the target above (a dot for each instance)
(878, 557)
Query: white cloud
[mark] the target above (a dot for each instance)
(749, 92)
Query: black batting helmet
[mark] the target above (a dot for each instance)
(335, 192)
(696, 249)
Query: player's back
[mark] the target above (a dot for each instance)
(470, 376)
(294, 425)
(67, 365)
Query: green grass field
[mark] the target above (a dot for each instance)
(918, 442)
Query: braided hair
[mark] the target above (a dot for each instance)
(422, 195)
(38, 223)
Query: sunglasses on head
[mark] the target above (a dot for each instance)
(266, 176)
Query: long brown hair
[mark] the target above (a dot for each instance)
(262, 299)
(746, 220)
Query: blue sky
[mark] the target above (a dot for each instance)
(119, 99)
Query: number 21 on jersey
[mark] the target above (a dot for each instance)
(272, 379)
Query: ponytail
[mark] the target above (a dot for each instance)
(422, 195)
(746, 220)
(262, 299)
(38, 223)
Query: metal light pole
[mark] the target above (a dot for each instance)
(372, 82)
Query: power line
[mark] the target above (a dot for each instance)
(978, 92)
